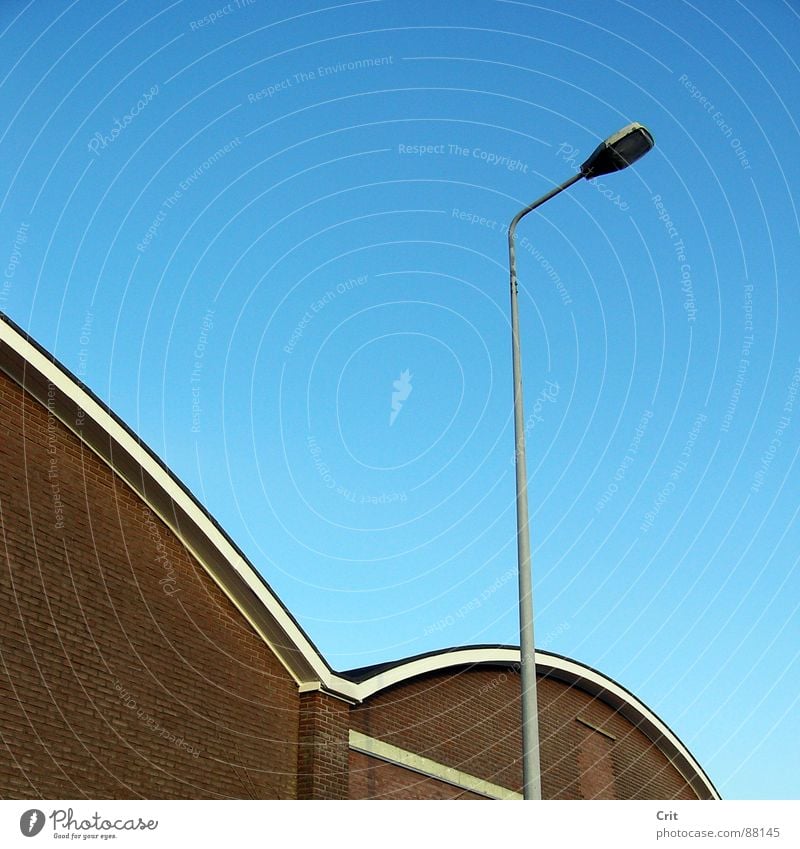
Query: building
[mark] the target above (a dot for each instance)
(143, 655)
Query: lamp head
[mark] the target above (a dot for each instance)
(618, 151)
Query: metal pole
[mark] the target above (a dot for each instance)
(531, 767)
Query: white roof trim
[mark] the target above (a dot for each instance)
(25, 363)
(434, 663)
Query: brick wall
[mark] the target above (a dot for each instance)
(323, 770)
(469, 720)
(583, 763)
(124, 670)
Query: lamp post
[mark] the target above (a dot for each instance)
(615, 153)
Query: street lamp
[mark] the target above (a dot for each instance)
(615, 153)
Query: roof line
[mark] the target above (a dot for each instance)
(75, 391)
(373, 680)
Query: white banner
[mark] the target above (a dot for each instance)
(231, 824)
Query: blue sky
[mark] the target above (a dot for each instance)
(241, 225)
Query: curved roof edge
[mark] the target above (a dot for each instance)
(372, 680)
(40, 374)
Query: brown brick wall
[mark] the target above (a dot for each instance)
(570, 750)
(463, 720)
(596, 765)
(371, 778)
(124, 671)
(323, 756)
(469, 720)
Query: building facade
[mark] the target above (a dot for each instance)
(142, 655)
